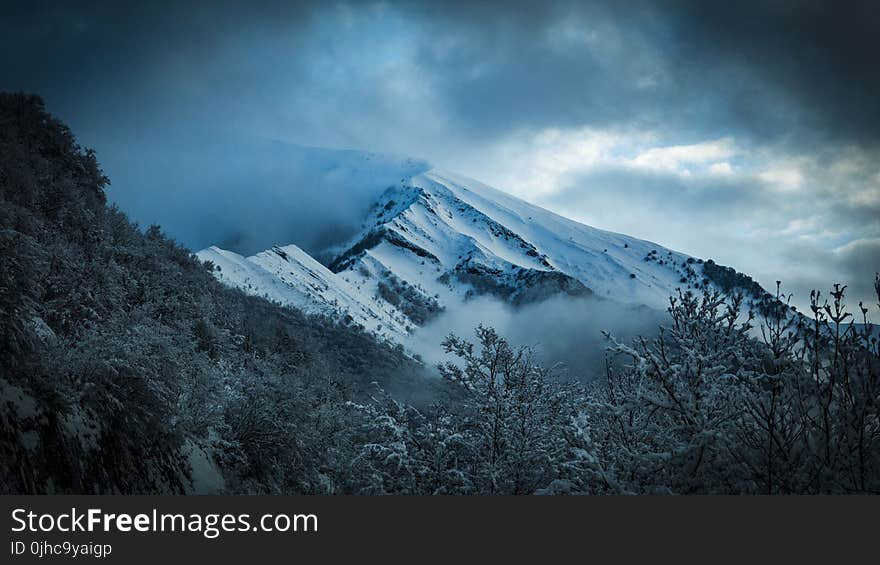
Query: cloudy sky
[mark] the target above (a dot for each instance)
(745, 132)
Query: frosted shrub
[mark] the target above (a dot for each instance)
(722, 403)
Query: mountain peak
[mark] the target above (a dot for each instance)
(436, 240)
(471, 232)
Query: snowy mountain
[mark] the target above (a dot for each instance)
(435, 240)
(288, 275)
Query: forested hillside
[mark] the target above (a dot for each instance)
(126, 367)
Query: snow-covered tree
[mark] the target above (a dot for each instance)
(517, 418)
(720, 403)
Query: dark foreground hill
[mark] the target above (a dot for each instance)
(126, 367)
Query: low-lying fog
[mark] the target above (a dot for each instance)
(562, 330)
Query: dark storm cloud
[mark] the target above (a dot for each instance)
(818, 56)
(768, 69)
(161, 89)
(764, 69)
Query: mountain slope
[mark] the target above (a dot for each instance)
(436, 240)
(498, 244)
(289, 276)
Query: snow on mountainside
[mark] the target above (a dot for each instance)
(435, 240)
(288, 275)
(467, 232)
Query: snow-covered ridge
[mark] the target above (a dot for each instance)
(485, 241)
(289, 276)
(435, 240)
